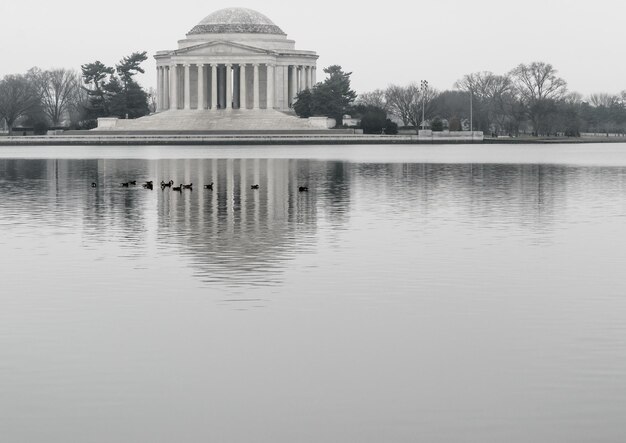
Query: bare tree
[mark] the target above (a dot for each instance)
(406, 103)
(58, 91)
(17, 97)
(375, 98)
(604, 100)
(539, 88)
(78, 109)
(573, 98)
(401, 102)
(491, 95)
(538, 81)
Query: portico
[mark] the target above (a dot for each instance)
(231, 85)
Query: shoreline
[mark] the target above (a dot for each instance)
(280, 139)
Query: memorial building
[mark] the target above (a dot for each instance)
(235, 70)
(235, 58)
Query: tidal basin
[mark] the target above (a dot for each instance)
(432, 294)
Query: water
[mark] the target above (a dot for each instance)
(435, 294)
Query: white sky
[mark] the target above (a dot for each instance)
(381, 42)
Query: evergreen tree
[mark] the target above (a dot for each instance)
(114, 92)
(95, 76)
(336, 93)
(330, 98)
(135, 99)
(304, 104)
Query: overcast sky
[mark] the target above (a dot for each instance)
(381, 42)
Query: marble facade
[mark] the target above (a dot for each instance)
(235, 58)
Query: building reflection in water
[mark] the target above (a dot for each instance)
(234, 234)
(241, 237)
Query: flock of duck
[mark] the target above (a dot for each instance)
(181, 187)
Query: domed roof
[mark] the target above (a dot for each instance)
(236, 21)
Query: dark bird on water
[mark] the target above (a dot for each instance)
(125, 185)
(209, 186)
(303, 189)
(133, 182)
(94, 185)
(167, 185)
(254, 187)
(149, 186)
(178, 188)
(189, 186)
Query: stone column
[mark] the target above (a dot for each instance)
(243, 93)
(286, 97)
(236, 87)
(159, 98)
(201, 99)
(257, 99)
(270, 86)
(302, 79)
(214, 86)
(229, 86)
(187, 88)
(314, 75)
(174, 86)
(166, 87)
(294, 83)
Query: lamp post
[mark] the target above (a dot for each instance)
(424, 88)
(472, 111)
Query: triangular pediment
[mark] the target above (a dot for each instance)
(222, 47)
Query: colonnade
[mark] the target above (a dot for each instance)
(231, 86)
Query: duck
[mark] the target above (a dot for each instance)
(178, 188)
(189, 186)
(254, 187)
(148, 185)
(133, 182)
(94, 185)
(125, 185)
(303, 189)
(168, 184)
(209, 186)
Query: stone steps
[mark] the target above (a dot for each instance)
(208, 120)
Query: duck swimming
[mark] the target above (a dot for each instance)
(94, 185)
(178, 188)
(189, 186)
(303, 189)
(209, 186)
(254, 187)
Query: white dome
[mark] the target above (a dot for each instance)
(236, 21)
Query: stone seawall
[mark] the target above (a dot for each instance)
(225, 140)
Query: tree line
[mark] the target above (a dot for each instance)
(530, 99)
(43, 99)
